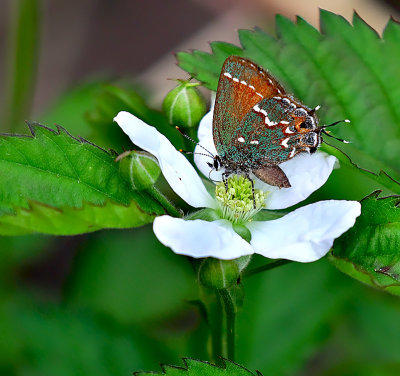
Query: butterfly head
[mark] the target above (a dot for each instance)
(216, 164)
(307, 127)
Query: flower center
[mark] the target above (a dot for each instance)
(237, 203)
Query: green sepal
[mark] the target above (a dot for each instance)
(218, 274)
(243, 262)
(206, 214)
(269, 215)
(242, 231)
(236, 292)
(211, 215)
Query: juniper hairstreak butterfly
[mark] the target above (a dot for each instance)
(257, 125)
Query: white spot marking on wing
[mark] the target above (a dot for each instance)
(284, 143)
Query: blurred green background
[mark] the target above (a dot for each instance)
(114, 302)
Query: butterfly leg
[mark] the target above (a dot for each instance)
(225, 180)
(252, 189)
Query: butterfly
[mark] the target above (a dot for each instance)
(257, 125)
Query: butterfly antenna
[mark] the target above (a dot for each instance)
(312, 112)
(192, 152)
(206, 155)
(336, 122)
(196, 143)
(336, 138)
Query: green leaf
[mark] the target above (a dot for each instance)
(58, 184)
(71, 221)
(194, 367)
(369, 251)
(22, 55)
(348, 69)
(206, 67)
(381, 178)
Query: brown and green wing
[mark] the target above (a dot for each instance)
(242, 84)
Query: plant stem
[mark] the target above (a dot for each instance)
(264, 268)
(216, 330)
(22, 55)
(230, 319)
(167, 205)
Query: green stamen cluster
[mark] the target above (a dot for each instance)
(237, 202)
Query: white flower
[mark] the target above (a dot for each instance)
(304, 235)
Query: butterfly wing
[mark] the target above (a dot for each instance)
(268, 134)
(242, 84)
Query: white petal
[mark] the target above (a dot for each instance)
(206, 141)
(176, 169)
(199, 238)
(306, 173)
(305, 234)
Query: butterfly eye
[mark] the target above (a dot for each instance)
(216, 163)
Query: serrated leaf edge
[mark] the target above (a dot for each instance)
(364, 170)
(186, 366)
(35, 205)
(60, 130)
(373, 195)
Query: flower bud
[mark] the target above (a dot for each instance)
(218, 274)
(138, 168)
(184, 106)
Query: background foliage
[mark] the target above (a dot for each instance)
(118, 301)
